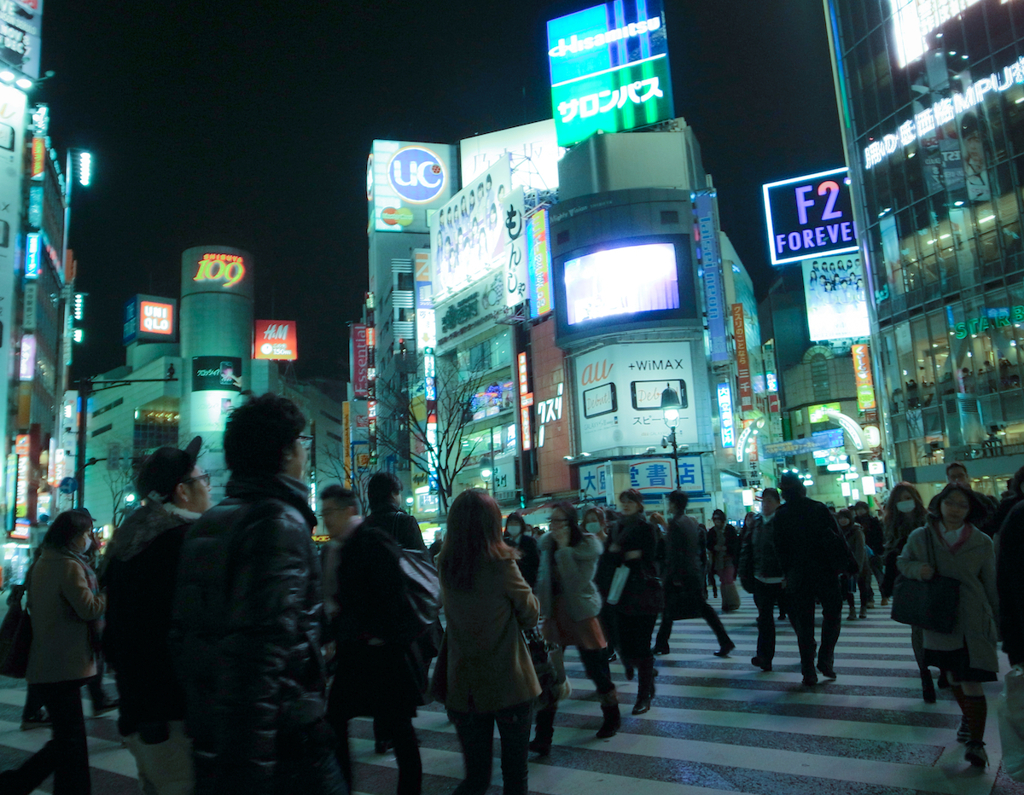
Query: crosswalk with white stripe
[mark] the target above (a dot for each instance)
(716, 726)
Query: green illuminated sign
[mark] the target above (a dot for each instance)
(631, 97)
(609, 69)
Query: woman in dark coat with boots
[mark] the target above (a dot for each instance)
(635, 546)
(570, 603)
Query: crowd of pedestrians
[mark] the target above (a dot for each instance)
(241, 653)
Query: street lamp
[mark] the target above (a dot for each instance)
(670, 411)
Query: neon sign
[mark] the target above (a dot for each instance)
(156, 318)
(725, 415)
(942, 112)
(810, 216)
(227, 268)
(32, 256)
(915, 19)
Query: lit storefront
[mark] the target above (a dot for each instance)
(932, 104)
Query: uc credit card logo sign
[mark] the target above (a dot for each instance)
(417, 174)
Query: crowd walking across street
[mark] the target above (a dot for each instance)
(247, 661)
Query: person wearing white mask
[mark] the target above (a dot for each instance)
(904, 513)
(529, 552)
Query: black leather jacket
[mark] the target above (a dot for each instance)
(246, 634)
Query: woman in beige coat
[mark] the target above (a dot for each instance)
(484, 673)
(66, 610)
(950, 545)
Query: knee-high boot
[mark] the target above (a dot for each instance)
(541, 743)
(645, 687)
(612, 716)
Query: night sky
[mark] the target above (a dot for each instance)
(248, 124)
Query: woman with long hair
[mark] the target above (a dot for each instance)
(570, 603)
(950, 545)
(66, 608)
(484, 674)
(904, 513)
(634, 544)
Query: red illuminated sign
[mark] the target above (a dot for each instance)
(360, 357)
(525, 401)
(276, 339)
(21, 444)
(156, 318)
(227, 268)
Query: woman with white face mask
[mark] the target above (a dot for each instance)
(904, 513)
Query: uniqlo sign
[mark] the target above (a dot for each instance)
(275, 339)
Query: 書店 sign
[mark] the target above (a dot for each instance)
(809, 216)
(609, 69)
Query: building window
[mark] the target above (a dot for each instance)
(819, 378)
(104, 429)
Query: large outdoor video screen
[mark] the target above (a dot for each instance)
(623, 284)
(621, 281)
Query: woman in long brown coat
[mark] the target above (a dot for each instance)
(484, 673)
(66, 610)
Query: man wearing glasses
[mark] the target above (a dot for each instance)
(139, 573)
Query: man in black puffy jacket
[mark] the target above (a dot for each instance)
(247, 613)
(139, 574)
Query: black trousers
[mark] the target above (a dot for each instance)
(398, 729)
(800, 604)
(476, 735)
(66, 755)
(595, 663)
(766, 595)
(707, 612)
(635, 636)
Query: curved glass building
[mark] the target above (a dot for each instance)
(931, 96)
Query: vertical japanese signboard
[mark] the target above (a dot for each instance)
(21, 43)
(359, 356)
(538, 234)
(862, 374)
(609, 69)
(426, 325)
(516, 261)
(525, 401)
(739, 334)
(711, 265)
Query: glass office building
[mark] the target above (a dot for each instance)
(931, 96)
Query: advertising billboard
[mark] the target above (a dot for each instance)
(538, 244)
(810, 216)
(609, 69)
(618, 394)
(626, 283)
(148, 318)
(532, 148)
(426, 317)
(359, 355)
(469, 234)
(404, 180)
(711, 266)
(22, 39)
(862, 376)
(216, 373)
(276, 340)
(739, 335)
(837, 305)
(216, 270)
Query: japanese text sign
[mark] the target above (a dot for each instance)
(862, 375)
(609, 69)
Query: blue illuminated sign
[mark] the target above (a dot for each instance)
(725, 415)
(32, 248)
(416, 174)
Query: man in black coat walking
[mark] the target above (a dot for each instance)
(384, 493)
(246, 621)
(139, 574)
(805, 550)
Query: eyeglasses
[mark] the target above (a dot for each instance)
(204, 478)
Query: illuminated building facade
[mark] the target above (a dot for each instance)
(931, 98)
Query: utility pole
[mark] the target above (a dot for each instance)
(86, 388)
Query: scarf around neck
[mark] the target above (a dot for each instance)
(96, 625)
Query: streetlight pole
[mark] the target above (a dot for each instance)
(670, 410)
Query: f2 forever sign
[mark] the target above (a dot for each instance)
(809, 216)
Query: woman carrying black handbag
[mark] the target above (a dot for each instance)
(949, 545)
(641, 596)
